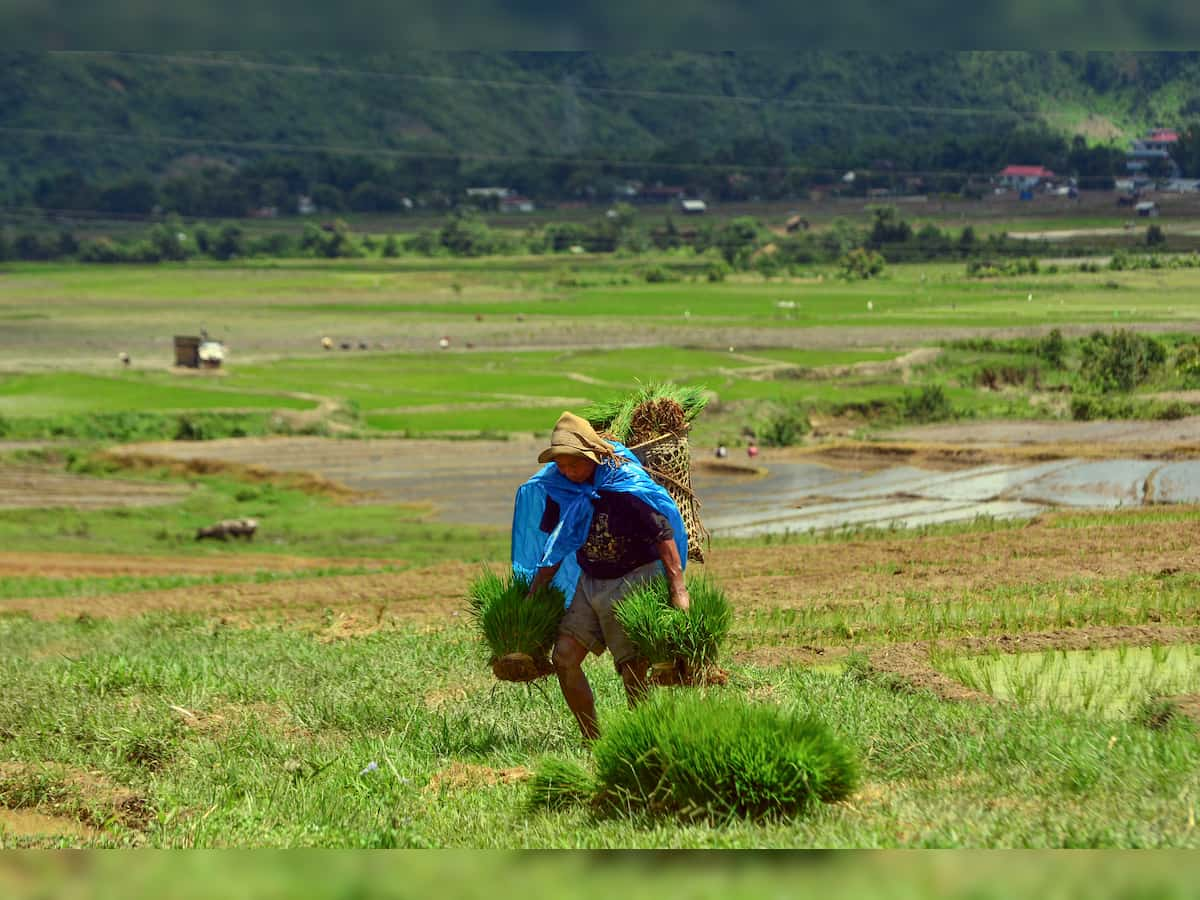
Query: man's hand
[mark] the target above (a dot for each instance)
(680, 599)
(673, 566)
(541, 578)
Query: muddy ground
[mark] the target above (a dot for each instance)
(30, 487)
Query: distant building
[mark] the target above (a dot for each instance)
(1023, 178)
(1160, 139)
(1154, 152)
(1147, 209)
(660, 194)
(515, 203)
(498, 193)
(305, 205)
(693, 207)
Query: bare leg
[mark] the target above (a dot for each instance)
(569, 655)
(633, 673)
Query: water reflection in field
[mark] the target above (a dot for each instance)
(803, 496)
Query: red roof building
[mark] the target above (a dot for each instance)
(1024, 176)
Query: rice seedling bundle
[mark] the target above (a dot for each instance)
(559, 783)
(698, 756)
(682, 647)
(653, 421)
(518, 630)
(616, 416)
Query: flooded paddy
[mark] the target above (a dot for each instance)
(809, 496)
(473, 482)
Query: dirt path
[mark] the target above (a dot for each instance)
(841, 574)
(94, 565)
(28, 487)
(1117, 435)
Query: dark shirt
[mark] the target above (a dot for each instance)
(625, 533)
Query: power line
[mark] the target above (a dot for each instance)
(339, 150)
(549, 87)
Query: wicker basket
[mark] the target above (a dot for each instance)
(668, 461)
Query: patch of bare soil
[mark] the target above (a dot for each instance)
(357, 604)
(94, 565)
(942, 453)
(1179, 438)
(843, 573)
(1187, 705)
(909, 664)
(67, 801)
(852, 573)
(29, 487)
(143, 457)
(459, 776)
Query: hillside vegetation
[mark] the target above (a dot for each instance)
(561, 122)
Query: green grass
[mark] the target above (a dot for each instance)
(913, 615)
(280, 309)
(291, 522)
(285, 722)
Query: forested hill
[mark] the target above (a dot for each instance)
(546, 121)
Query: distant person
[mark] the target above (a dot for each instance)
(722, 452)
(752, 450)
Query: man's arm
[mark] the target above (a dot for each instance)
(545, 575)
(674, 567)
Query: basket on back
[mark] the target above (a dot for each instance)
(658, 437)
(653, 422)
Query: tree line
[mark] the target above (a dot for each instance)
(748, 168)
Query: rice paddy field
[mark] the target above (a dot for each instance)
(994, 684)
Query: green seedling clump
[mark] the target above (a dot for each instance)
(665, 636)
(616, 416)
(559, 783)
(693, 755)
(513, 624)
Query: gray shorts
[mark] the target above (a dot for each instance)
(590, 618)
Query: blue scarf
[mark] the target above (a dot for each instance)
(533, 549)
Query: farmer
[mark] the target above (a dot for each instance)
(594, 523)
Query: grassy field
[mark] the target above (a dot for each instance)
(529, 337)
(321, 686)
(282, 707)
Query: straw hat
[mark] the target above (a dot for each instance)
(574, 436)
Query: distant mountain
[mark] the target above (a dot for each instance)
(111, 115)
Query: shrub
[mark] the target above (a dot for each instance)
(659, 275)
(1119, 361)
(664, 634)
(716, 271)
(510, 622)
(1052, 348)
(693, 755)
(930, 404)
(784, 428)
(1187, 363)
(860, 264)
